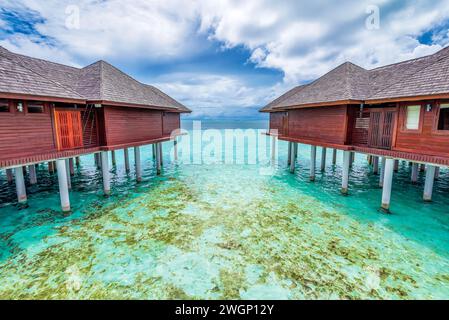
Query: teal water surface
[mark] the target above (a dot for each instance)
(225, 232)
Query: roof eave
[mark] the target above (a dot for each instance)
(136, 105)
(408, 98)
(317, 104)
(24, 96)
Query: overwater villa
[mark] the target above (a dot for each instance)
(397, 112)
(55, 113)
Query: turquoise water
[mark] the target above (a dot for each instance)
(225, 231)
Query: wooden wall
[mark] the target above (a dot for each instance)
(129, 125)
(25, 134)
(171, 121)
(278, 122)
(325, 124)
(427, 140)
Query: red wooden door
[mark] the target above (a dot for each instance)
(69, 132)
(380, 134)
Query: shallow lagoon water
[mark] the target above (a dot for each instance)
(225, 232)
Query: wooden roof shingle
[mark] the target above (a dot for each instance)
(418, 77)
(99, 81)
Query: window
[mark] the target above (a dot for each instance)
(443, 119)
(4, 105)
(35, 107)
(412, 117)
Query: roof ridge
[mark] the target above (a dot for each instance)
(431, 63)
(20, 63)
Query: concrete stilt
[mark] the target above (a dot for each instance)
(69, 179)
(351, 162)
(415, 168)
(334, 157)
(370, 160)
(72, 167)
(98, 160)
(154, 151)
(289, 153)
(20, 185)
(105, 171)
(273, 148)
(296, 150)
(422, 168)
(158, 159)
(63, 185)
(33, 176)
(161, 155)
(51, 169)
(175, 149)
(388, 183)
(396, 165)
(55, 168)
(292, 159)
(126, 155)
(376, 165)
(323, 159)
(345, 173)
(437, 173)
(428, 186)
(312, 162)
(9, 175)
(382, 172)
(114, 162)
(138, 164)
(24, 169)
(78, 161)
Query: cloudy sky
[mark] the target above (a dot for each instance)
(225, 58)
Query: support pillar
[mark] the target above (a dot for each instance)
(126, 154)
(175, 149)
(154, 151)
(51, 169)
(428, 186)
(323, 159)
(437, 173)
(345, 173)
(292, 159)
(114, 162)
(376, 165)
(161, 154)
(351, 162)
(9, 175)
(105, 171)
(312, 162)
(382, 172)
(388, 183)
(158, 158)
(33, 176)
(72, 167)
(334, 157)
(289, 153)
(273, 148)
(20, 185)
(78, 161)
(415, 168)
(138, 164)
(63, 185)
(296, 148)
(69, 180)
(396, 165)
(422, 168)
